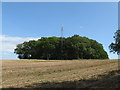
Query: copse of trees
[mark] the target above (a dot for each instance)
(75, 47)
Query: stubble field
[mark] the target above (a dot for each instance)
(60, 73)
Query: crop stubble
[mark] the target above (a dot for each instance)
(22, 73)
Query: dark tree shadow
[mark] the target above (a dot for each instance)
(110, 80)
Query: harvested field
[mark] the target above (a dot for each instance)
(59, 73)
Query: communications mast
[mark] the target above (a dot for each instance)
(62, 36)
(61, 42)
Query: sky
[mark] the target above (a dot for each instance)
(24, 21)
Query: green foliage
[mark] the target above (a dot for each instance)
(75, 47)
(115, 47)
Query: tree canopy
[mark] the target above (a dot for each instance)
(115, 47)
(75, 47)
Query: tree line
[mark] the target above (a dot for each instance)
(74, 47)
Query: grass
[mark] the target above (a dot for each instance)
(108, 80)
(58, 73)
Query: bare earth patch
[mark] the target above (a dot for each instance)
(57, 73)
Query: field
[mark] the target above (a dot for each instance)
(60, 73)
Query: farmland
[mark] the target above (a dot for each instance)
(59, 73)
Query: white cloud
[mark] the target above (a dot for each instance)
(9, 43)
(5, 38)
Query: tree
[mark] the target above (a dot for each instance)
(115, 47)
(75, 47)
(23, 50)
